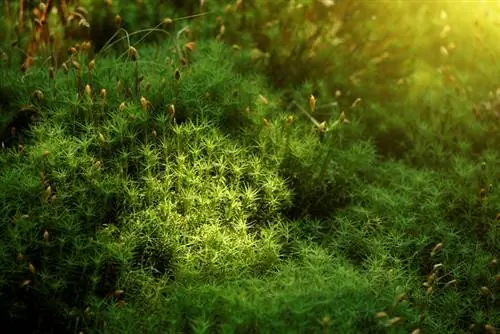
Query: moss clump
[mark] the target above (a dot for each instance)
(214, 174)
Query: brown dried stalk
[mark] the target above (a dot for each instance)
(6, 5)
(41, 30)
(21, 16)
(63, 12)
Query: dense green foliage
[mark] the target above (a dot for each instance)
(205, 174)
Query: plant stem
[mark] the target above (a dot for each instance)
(136, 73)
(21, 16)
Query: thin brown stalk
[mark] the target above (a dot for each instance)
(21, 16)
(63, 12)
(6, 5)
(39, 31)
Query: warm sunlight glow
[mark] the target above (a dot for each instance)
(250, 166)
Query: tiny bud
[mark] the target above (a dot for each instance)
(443, 15)
(222, 30)
(266, 122)
(91, 65)
(52, 73)
(395, 321)
(118, 21)
(416, 331)
(289, 120)
(342, 118)
(31, 268)
(102, 138)
(76, 65)
(86, 45)
(83, 23)
(103, 93)
(228, 9)
(449, 283)
(431, 278)
(312, 103)
(380, 315)
(493, 263)
(400, 297)
(437, 266)
(73, 50)
(81, 10)
(145, 103)
(133, 53)
(486, 291)
(322, 127)
(167, 21)
(338, 93)
(443, 51)
(326, 321)
(20, 257)
(171, 110)
(263, 99)
(356, 102)
(25, 283)
(4, 57)
(190, 46)
(154, 133)
(88, 90)
(436, 248)
(489, 329)
(38, 95)
(48, 192)
(122, 106)
(46, 235)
